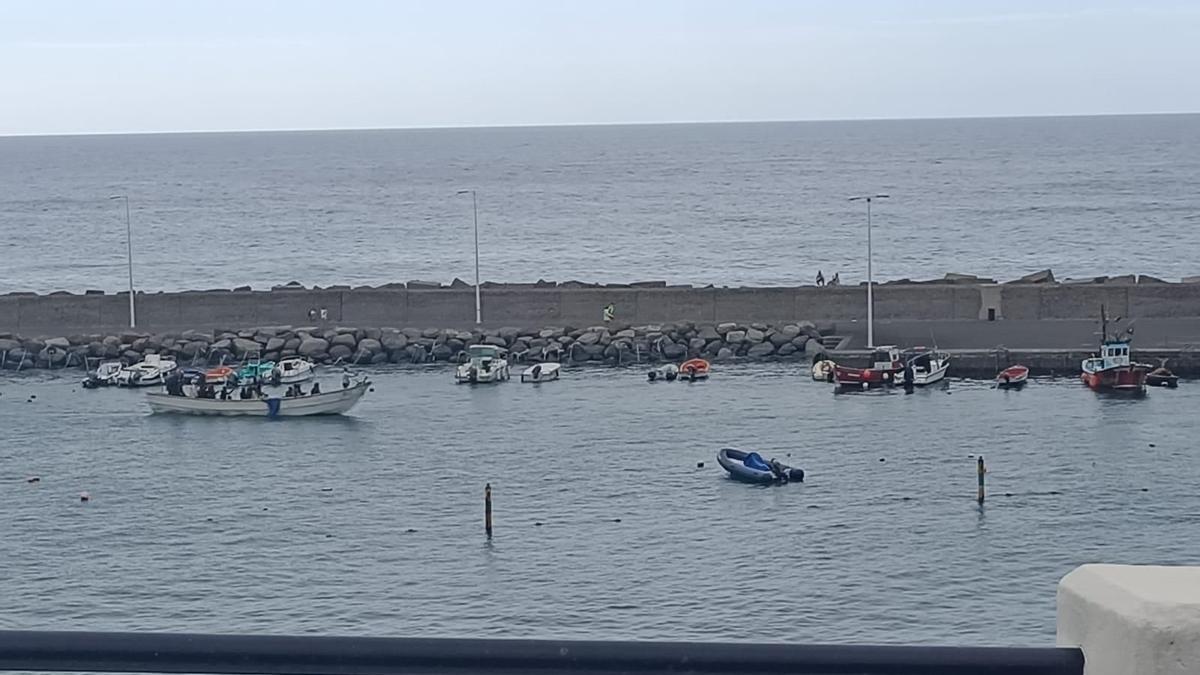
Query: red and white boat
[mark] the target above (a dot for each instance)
(887, 368)
(1112, 370)
(1012, 377)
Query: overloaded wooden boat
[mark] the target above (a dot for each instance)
(333, 402)
(887, 367)
(1012, 377)
(750, 467)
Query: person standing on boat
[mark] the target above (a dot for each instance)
(610, 312)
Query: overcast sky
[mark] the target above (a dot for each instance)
(164, 65)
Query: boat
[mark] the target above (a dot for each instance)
(694, 369)
(666, 372)
(923, 367)
(541, 372)
(822, 370)
(333, 402)
(220, 375)
(886, 369)
(148, 373)
(260, 371)
(1162, 377)
(750, 467)
(1113, 370)
(1012, 377)
(292, 370)
(105, 375)
(485, 363)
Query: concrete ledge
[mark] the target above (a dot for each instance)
(1132, 620)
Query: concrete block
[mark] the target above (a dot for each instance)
(658, 305)
(1132, 620)
(533, 306)
(754, 304)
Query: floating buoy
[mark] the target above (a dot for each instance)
(32, 396)
(699, 465)
(537, 524)
(33, 479)
(1152, 445)
(882, 459)
(616, 520)
(410, 531)
(85, 497)
(326, 489)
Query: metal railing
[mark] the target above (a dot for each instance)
(312, 655)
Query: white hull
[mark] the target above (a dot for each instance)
(326, 403)
(822, 371)
(291, 371)
(471, 373)
(936, 373)
(543, 372)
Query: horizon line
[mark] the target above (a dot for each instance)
(554, 125)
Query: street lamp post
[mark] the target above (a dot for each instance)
(870, 277)
(129, 253)
(475, 212)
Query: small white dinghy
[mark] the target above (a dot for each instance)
(105, 375)
(293, 369)
(541, 372)
(668, 372)
(822, 371)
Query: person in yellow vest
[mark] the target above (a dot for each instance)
(610, 311)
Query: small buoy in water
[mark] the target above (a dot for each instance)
(616, 520)
(32, 396)
(326, 489)
(208, 520)
(265, 508)
(1007, 494)
(699, 465)
(410, 530)
(329, 536)
(905, 499)
(1152, 445)
(85, 497)
(882, 459)
(33, 479)
(1145, 489)
(537, 524)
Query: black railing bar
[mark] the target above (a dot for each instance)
(322, 655)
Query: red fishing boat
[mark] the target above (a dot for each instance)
(1113, 370)
(886, 368)
(1012, 377)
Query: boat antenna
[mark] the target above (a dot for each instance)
(1103, 324)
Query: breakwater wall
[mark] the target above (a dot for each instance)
(577, 304)
(615, 344)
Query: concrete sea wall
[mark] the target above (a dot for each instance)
(575, 304)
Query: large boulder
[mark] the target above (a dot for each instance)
(275, 344)
(734, 337)
(340, 351)
(786, 349)
(755, 335)
(7, 345)
(800, 341)
(725, 328)
(674, 351)
(509, 333)
(370, 345)
(708, 333)
(761, 350)
(815, 349)
(1042, 277)
(381, 357)
(589, 338)
(495, 341)
(312, 347)
(394, 341)
(244, 346)
(291, 344)
(58, 342)
(443, 352)
(785, 335)
(345, 340)
(225, 344)
(724, 354)
(696, 345)
(627, 334)
(713, 347)
(373, 333)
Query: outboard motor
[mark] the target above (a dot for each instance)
(796, 475)
(653, 375)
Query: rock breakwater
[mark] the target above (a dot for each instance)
(612, 344)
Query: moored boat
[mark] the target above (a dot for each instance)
(485, 364)
(694, 369)
(541, 372)
(105, 375)
(887, 368)
(667, 372)
(1113, 370)
(1012, 377)
(256, 371)
(923, 367)
(148, 373)
(333, 402)
(823, 370)
(220, 375)
(292, 370)
(1162, 377)
(750, 467)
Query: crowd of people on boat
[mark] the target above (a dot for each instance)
(176, 385)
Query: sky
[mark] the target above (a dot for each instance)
(91, 66)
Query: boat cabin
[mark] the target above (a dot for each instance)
(1114, 353)
(885, 358)
(484, 352)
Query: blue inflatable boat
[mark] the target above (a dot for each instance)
(750, 467)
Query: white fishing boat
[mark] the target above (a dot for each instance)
(333, 402)
(923, 367)
(150, 372)
(105, 375)
(485, 364)
(292, 370)
(541, 372)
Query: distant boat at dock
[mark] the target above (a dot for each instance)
(1113, 370)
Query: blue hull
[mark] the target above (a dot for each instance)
(732, 461)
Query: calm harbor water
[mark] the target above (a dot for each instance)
(605, 526)
(713, 203)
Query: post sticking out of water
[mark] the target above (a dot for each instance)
(487, 509)
(982, 472)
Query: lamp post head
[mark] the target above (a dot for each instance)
(867, 198)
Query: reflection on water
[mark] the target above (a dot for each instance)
(605, 525)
